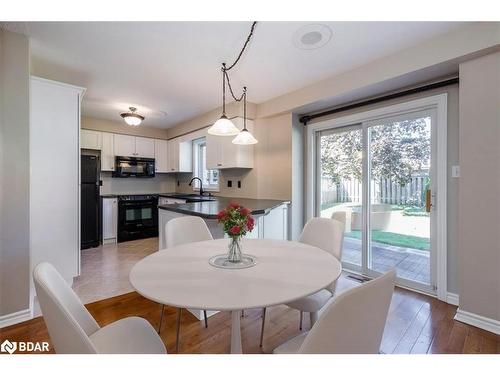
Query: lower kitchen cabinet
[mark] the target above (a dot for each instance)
(109, 220)
(273, 225)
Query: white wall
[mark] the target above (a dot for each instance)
(479, 203)
(162, 183)
(14, 173)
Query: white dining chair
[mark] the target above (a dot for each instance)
(73, 330)
(180, 231)
(328, 235)
(353, 323)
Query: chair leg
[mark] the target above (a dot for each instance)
(314, 317)
(205, 317)
(262, 328)
(161, 318)
(301, 319)
(177, 342)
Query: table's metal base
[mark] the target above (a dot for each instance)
(221, 261)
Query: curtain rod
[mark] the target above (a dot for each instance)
(450, 81)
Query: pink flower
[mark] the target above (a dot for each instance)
(235, 230)
(245, 211)
(250, 223)
(234, 205)
(221, 215)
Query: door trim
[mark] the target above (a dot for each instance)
(440, 104)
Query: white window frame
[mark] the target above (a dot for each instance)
(196, 168)
(437, 102)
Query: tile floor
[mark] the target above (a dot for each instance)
(105, 269)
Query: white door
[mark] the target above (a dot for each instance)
(379, 177)
(144, 147)
(124, 145)
(107, 152)
(161, 156)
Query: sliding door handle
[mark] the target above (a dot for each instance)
(428, 199)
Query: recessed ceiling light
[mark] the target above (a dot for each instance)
(312, 36)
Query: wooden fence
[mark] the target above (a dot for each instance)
(384, 190)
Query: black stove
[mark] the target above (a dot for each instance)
(137, 217)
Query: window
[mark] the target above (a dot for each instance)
(210, 177)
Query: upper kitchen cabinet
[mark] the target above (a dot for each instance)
(107, 152)
(180, 155)
(90, 139)
(223, 154)
(144, 147)
(127, 145)
(161, 156)
(124, 145)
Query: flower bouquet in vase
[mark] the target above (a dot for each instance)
(236, 222)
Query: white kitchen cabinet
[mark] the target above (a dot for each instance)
(161, 155)
(144, 147)
(127, 145)
(124, 145)
(180, 156)
(54, 179)
(90, 139)
(223, 154)
(107, 152)
(109, 219)
(275, 223)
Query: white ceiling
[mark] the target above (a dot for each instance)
(174, 67)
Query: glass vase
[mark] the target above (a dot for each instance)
(234, 253)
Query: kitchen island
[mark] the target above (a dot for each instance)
(271, 216)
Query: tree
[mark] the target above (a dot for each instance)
(397, 151)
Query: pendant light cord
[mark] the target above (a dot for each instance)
(225, 77)
(244, 46)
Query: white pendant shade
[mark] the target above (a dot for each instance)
(223, 127)
(245, 138)
(133, 121)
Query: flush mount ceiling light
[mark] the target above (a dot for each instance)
(224, 126)
(132, 118)
(312, 36)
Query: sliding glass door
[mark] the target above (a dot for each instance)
(377, 178)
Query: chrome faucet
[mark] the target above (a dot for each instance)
(201, 184)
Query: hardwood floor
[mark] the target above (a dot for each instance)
(416, 324)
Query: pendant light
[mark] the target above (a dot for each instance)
(244, 137)
(132, 118)
(224, 126)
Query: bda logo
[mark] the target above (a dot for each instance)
(8, 347)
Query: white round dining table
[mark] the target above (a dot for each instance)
(181, 276)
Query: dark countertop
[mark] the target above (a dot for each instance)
(171, 195)
(209, 209)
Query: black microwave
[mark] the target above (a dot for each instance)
(134, 167)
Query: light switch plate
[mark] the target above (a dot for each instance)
(455, 171)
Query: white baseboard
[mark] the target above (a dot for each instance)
(452, 299)
(479, 321)
(16, 317)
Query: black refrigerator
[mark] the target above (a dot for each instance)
(90, 201)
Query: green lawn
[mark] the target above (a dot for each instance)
(395, 239)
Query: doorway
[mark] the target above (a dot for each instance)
(379, 172)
